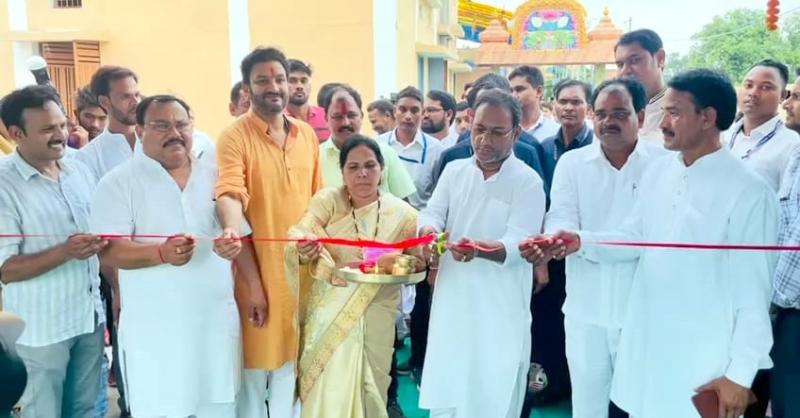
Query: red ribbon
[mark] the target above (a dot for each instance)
(399, 245)
(683, 245)
(428, 239)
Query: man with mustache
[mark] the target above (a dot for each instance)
(418, 150)
(268, 171)
(696, 320)
(640, 54)
(478, 351)
(90, 118)
(180, 338)
(381, 116)
(594, 188)
(117, 91)
(760, 138)
(571, 107)
(526, 148)
(299, 93)
(437, 115)
(527, 86)
(343, 112)
(51, 281)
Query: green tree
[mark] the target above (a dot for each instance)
(675, 64)
(735, 41)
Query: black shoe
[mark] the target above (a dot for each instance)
(394, 410)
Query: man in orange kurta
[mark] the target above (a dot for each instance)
(268, 171)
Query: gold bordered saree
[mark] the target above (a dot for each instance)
(346, 333)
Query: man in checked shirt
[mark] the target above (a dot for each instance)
(786, 293)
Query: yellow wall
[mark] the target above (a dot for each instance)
(334, 37)
(177, 46)
(406, 40)
(43, 16)
(7, 62)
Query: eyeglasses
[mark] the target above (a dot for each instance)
(619, 115)
(491, 136)
(164, 127)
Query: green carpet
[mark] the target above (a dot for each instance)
(409, 397)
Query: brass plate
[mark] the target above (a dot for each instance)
(353, 274)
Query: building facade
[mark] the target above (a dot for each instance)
(193, 48)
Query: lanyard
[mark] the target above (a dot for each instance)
(759, 144)
(424, 152)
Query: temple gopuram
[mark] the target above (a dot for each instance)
(551, 34)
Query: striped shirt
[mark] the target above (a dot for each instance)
(786, 286)
(61, 303)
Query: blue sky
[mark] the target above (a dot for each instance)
(675, 20)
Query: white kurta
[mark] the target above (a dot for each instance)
(589, 193)
(479, 335)
(693, 316)
(650, 130)
(180, 342)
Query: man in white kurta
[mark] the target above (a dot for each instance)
(478, 350)
(696, 319)
(594, 188)
(179, 335)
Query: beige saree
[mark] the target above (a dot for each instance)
(346, 333)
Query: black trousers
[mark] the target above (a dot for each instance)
(547, 333)
(615, 412)
(393, 385)
(420, 316)
(785, 377)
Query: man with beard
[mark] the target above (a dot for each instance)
(479, 346)
(51, 280)
(117, 91)
(437, 115)
(178, 292)
(418, 151)
(299, 92)
(760, 138)
(381, 116)
(592, 190)
(343, 112)
(239, 103)
(90, 118)
(784, 377)
(268, 171)
(640, 54)
(696, 321)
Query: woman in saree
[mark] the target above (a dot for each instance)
(347, 329)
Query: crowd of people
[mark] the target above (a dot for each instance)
(585, 252)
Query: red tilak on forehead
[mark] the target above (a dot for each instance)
(342, 106)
